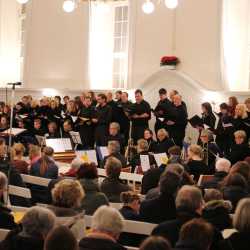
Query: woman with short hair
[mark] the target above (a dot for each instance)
(18, 162)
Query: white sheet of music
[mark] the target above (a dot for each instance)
(59, 145)
(87, 156)
(161, 158)
(145, 163)
(75, 137)
(14, 131)
(104, 151)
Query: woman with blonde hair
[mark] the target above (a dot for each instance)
(241, 120)
(18, 162)
(239, 240)
(195, 164)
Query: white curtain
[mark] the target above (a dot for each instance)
(9, 42)
(235, 44)
(101, 35)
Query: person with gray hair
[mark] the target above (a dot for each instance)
(36, 224)
(222, 167)
(189, 204)
(112, 186)
(239, 240)
(6, 218)
(107, 225)
(114, 151)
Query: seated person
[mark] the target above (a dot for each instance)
(88, 177)
(240, 150)
(37, 128)
(45, 167)
(60, 238)
(162, 207)
(154, 242)
(114, 151)
(222, 167)
(142, 149)
(175, 155)
(112, 186)
(67, 127)
(148, 136)
(67, 195)
(195, 164)
(4, 123)
(52, 131)
(34, 154)
(107, 225)
(36, 224)
(7, 220)
(115, 135)
(74, 167)
(19, 163)
(164, 142)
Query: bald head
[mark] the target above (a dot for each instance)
(223, 165)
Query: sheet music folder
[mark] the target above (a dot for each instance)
(13, 132)
(196, 121)
(60, 145)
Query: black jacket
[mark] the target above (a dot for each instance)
(170, 229)
(238, 152)
(159, 209)
(164, 146)
(237, 241)
(88, 243)
(6, 219)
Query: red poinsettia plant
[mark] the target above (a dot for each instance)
(169, 60)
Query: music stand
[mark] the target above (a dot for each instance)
(76, 138)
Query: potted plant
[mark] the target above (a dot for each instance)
(170, 62)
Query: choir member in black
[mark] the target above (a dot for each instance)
(162, 110)
(208, 116)
(124, 105)
(71, 109)
(85, 125)
(52, 131)
(240, 149)
(103, 116)
(148, 136)
(4, 123)
(140, 115)
(174, 92)
(115, 135)
(26, 105)
(224, 130)
(65, 100)
(247, 102)
(179, 122)
(210, 149)
(241, 120)
(118, 96)
(43, 111)
(54, 113)
(67, 128)
(195, 164)
(232, 103)
(164, 142)
(37, 128)
(92, 96)
(113, 105)
(58, 100)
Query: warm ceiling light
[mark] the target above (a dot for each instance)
(171, 4)
(69, 6)
(22, 1)
(148, 7)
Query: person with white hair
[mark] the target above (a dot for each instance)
(6, 219)
(36, 224)
(107, 225)
(74, 167)
(222, 167)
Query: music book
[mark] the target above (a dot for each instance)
(161, 159)
(59, 145)
(87, 156)
(145, 163)
(196, 121)
(76, 138)
(102, 152)
(13, 132)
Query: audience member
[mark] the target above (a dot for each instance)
(19, 163)
(155, 243)
(94, 198)
(112, 186)
(107, 225)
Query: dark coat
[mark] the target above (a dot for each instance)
(129, 214)
(88, 243)
(237, 241)
(164, 146)
(112, 188)
(118, 156)
(15, 241)
(170, 229)
(197, 168)
(238, 153)
(6, 218)
(159, 209)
